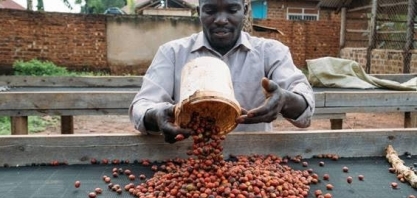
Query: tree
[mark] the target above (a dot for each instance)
(40, 7)
(99, 6)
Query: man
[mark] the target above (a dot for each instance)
(266, 81)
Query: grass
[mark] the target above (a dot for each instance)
(36, 124)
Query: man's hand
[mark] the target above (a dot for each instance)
(269, 111)
(161, 118)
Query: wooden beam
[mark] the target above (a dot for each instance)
(361, 8)
(78, 149)
(66, 81)
(357, 31)
(67, 125)
(412, 13)
(371, 36)
(92, 100)
(342, 40)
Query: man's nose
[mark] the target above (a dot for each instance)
(221, 18)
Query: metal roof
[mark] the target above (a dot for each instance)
(334, 4)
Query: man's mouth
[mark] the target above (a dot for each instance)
(221, 33)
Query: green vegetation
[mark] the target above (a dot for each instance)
(35, 124)
(36, 67)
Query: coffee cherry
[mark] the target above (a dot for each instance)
(77, 184)
(329, 187)
(92, 195)
(349, 179)
(326, 176)
(98, 190)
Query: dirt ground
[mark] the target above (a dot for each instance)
(121, 124)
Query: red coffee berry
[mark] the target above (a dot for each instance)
(77, 184)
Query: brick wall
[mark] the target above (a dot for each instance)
(382, 61)
(306, 39)
(72, 40)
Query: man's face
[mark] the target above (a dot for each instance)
(222, 22)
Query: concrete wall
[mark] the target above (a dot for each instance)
(133, 41)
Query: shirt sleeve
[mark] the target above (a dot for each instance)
(283, 71)
(157, 87)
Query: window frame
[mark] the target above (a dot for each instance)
(303, 14)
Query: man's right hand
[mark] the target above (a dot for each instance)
(161, 118)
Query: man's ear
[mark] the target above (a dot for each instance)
(198, 10)
(245, 9)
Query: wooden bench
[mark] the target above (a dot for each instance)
(72, 96)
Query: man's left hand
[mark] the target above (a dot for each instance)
(270, 109)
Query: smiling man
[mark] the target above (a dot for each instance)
(266, 81)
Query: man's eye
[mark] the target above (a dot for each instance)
(233, 9)
(209, 11)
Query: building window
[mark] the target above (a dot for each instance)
(259, 9)
(306, 14)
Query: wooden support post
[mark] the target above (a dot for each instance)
(410, 120)
(412, 13)
(336, 124)
(342, 40)
(19, 125)
(372, 35)
(67, 125)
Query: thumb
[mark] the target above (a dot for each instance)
(269, 85)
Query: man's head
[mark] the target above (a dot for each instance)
(222, 22)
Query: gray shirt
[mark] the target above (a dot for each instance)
(251, 59)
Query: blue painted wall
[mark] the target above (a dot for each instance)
(259, 9)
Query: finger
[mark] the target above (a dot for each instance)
(269, 117)
(269, 105)
(171, 130)
(269, 85)
(243, 111)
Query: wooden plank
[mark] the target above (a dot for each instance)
(319, 116)
(365, 109)
(342, 39)
(66, 81)
(19, 125)
(68, 112)
(78, 149)
(371, 99)
(66, 100)
(319, 99)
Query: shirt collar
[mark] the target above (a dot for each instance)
(201, 41)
